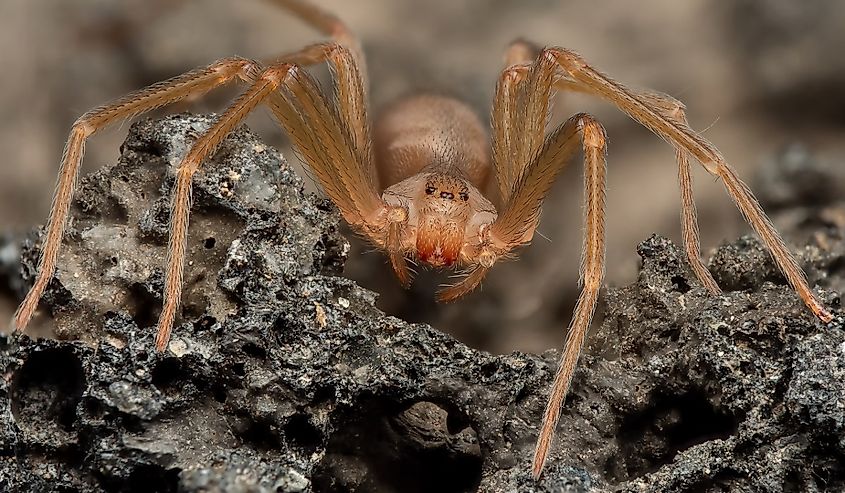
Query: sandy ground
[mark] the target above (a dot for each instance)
(754, 78)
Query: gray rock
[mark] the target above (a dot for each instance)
(283, 376)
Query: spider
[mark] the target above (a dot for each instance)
(411, 181)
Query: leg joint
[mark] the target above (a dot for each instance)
(331, 48)
(567, 59)
(549, 56)
(235, 66)
(278, 73)
(593, 132)
(82, 127)
(514, 74)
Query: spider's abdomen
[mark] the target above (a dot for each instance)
(428, 131)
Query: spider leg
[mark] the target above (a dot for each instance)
(267, 82)
(689, 225)
(510, 111)
(516, 223)
(592, 273)
(505, 163)
(330, 25)
(334, 140)
(519, 117)
(350, 178)
(161, 94)
(323, 137)
(350, 72)
(678, 133)
(516, 122)
(681, 136)
(673, 109)
(350, 97)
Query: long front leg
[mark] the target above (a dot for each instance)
(266, 83)
(682, 137)
(520, 115)
(510, 230)
(322, 136)
(515, 226)
(161, 94)
(592, 273)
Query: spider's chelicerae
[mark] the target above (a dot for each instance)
(413, 181)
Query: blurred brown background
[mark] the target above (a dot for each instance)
(756, 75)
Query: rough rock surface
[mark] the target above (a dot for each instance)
(282, 376)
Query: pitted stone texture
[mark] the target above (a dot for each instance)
(283, 376)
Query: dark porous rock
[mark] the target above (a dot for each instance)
(282, 376)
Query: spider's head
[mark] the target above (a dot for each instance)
(445, 213)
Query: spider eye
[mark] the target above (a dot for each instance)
(463, 195)
(430, 190)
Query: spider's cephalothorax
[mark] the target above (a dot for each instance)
(432, 158)
(446, 214)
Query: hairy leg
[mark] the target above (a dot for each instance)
(350, 96)
(507, 165)
(514, 227)
(594, 143)
(326, 137)
(682, 137)
(349, 67)
(267, 82)
(673, 109)
(518, 219)
(349, 72)
(160, 94)
(689, 225)
(330, 25)
(556, 67)
(519, 118)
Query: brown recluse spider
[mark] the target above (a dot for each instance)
(412, 182)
